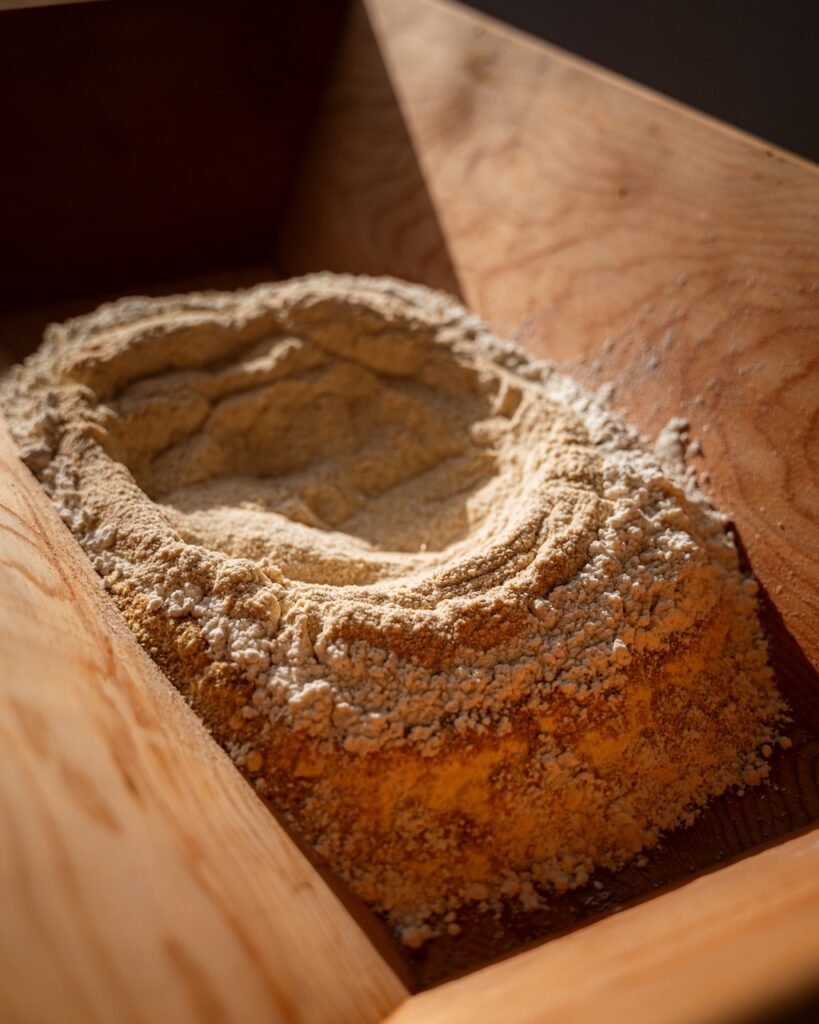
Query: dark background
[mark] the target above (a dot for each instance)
(148, 141)
(753, 63)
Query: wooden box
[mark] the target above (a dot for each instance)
(627, 239)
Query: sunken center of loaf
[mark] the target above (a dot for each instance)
(363, 459)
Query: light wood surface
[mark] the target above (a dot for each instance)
(633, 242)
(726, 946)
(140, 877)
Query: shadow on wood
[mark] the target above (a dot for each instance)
(361, 202)
(151, 141)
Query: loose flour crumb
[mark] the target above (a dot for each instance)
(461, 625)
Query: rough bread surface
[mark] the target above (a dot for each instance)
(468, 631)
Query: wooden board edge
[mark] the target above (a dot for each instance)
(735, 942)
(612, 78)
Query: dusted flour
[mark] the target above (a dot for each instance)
(460, 624)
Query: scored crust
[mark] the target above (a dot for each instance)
(453, 618)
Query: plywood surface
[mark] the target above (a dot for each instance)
(140, 878)
(632, 242)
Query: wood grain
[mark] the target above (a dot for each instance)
(710, 951)
(633, 242)
(140, 877)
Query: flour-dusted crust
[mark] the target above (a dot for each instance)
(460, 624)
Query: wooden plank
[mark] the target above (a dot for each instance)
(710, 951)
(141, 879)
(631, 241)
